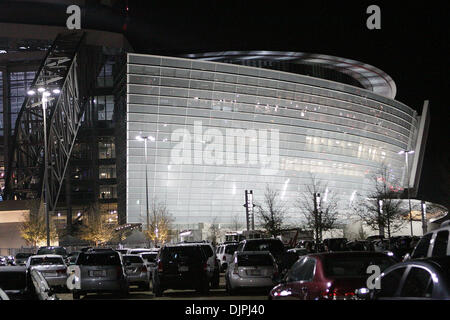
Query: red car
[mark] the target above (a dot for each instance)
(332, 276)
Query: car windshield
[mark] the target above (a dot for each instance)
(138, 251)
(46, 261)
(265, 245)
(354, 266)
(59, 251)
(150, 257)
(132, 259)
(230, 249)
(23, 255)
(99, 259)
(248, 260)
(183, 253)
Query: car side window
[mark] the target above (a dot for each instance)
(418, 284)
(390, 283)
(440, 244)
(240, 247)
(421, 249)
(302, 270)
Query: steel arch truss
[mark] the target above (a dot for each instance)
(69, 66)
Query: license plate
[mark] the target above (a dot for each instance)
(51, 274)
(183, 269)
(97, 273)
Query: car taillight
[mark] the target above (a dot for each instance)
(119, 272)
(275, 270)
(144, 269)
(337, 294)
(160, 266)
(235, 270)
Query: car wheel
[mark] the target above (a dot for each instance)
(145, 286)
(215, 281)
(124, 292)
(76, 296)
(203, 287)
(157, 290)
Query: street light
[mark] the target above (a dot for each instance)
(145, 139)
(424, 217)
(44, 99)
(406, 153)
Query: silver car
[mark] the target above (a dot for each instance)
(251, 270)
(150, 261)
(52, 267)
(136, 271)
(100, 271)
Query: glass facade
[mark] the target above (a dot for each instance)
(19, 83)
(216, 130)
(105, 107)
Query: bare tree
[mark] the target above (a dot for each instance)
(318, 205)
(235, 223)
(272, 212)
(160, 223)
(214, 231)
(382, 209)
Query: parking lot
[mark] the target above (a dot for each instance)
(136, 294)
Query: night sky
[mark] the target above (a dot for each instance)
(412, 47)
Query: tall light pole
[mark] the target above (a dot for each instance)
(424, 217)
(44, 98)
(145, 138)
(406, 153)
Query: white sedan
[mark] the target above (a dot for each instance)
(51, 266)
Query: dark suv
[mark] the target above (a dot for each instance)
(181, 267)
(61, 251)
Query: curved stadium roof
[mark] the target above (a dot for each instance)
(367, 76)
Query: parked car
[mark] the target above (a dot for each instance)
(150, 261)
(225, 254)
(52, 267)
(335, 244)
(122, 251)
(21, 258)
(421, 279)
(3, 261)
(61, 251)
(274, 246)
(141, 250)
(136, 271)
(181, 267)
(72, 257)
(20, 284)
(359, 245)
(10, 260)
(251, 270)
(101, 271)
(213, 264)
(3, 295)
(433, 244)
(52, 250)
(333, 275)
